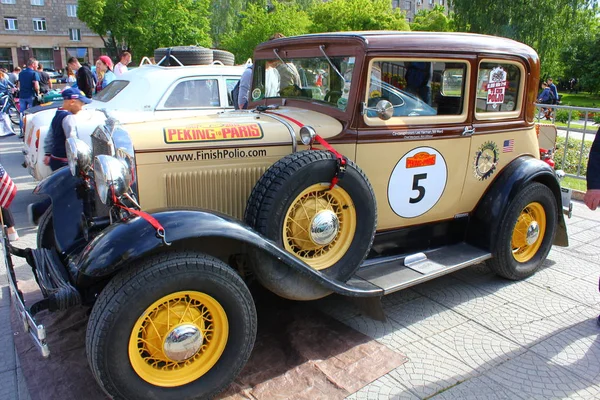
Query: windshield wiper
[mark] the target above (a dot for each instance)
(322, 48)
(276, 51)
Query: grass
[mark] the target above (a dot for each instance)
(590, 128)
(574, 183)
(580, 100)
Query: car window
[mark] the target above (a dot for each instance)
(230, 85)
(498, 88)
(194, 93)
(417, 88)
(110, 91)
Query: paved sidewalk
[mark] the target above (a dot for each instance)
(467, 335)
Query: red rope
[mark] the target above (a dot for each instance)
(144, 215)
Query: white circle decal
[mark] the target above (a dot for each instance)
(417, 182)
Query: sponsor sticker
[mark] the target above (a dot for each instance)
(422, 159)
(211, 132)
(508, 146)
(486, 161)
(496, 87)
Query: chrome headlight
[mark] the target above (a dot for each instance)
(79, 156)
(111, 175)
(307, 135)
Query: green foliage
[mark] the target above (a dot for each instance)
(572, 158)
(434, 20)
(545, 25)
(357, 15)
(562, 115)
(144, 25)
(258, 25)
(582, 59)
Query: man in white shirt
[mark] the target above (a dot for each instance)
(121, 66)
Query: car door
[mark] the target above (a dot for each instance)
(418, 158)
(189, 96)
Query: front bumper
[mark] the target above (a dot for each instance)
(36, 331)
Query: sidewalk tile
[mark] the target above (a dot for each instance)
(536, 378)
(476, 346)
(8, 385)
(477, 388)
(580, 290)
(384, 388)
(547, 303)
(390, 333)
(549, 278)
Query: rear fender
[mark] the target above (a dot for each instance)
(65, 192)
(121, 244)
(486, 219)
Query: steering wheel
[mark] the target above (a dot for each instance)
(332, 93)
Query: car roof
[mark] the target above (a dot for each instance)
(439, 42)
(172, 73)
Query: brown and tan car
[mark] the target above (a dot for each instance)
(366, 163)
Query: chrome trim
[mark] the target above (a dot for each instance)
(110, 172)
(125, 152)
(287, 125)
(79, 155)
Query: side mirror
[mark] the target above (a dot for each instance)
(384, 109)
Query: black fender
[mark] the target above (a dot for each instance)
(486, 219)
(64, 191)
(125, 242)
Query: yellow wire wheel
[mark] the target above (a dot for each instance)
(319, 225)
(528, 233)
(178, 338)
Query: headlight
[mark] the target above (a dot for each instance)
(307, 135)
(79, 156)
(110, 174)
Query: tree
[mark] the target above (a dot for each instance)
(434, 20)
(357, 15)
(143, 25)
(545, 25)
(257, 25)
(225, 16)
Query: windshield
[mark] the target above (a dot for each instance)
(304, 78)
(110, 91)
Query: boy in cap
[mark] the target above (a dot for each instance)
(63, 126)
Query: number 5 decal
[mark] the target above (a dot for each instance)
(417, 182)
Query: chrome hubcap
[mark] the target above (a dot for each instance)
(324, 227)
(183, 342)
(533, 233)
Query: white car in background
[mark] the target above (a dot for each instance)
(147, 93)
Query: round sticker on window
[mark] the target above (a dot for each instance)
(417, 182)
(256, 93)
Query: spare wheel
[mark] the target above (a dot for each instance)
(224, 56)
(330, 230)
(187, 55)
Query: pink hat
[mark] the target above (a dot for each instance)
(106, 60)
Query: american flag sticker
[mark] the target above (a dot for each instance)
(509, 146)
(8, 189)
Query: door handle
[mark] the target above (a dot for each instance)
(469, 130)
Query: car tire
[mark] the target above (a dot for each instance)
(45, 233)
(225, 57)
(171, 291)
(526, 233)
(299, 180)
(187, 55)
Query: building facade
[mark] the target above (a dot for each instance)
(412, 7)
(47, 30)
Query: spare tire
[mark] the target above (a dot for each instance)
(187, 55)
(225, 57)
(330, 230)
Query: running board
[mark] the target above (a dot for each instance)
(397, 273)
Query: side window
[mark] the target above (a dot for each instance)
(498, 88)
(230, 82)
(417, 88)
(194, 93)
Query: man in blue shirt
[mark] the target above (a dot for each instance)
(29, 86)
(554, 91)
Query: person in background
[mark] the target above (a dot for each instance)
(121, 66)
(104, 66)
(5, 84)
(13, 77)
(244, 88)
(45, 82)
(592, 196)
(553, 89)
(546, 97)
(62, 127)
(29, 85)
(85, 79)
(71, 78)
(8, 190)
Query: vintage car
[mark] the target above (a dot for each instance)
(375, 179)
(146, 93)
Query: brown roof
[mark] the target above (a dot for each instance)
(416, 42)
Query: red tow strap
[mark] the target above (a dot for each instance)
(160, 230)
(341, 160)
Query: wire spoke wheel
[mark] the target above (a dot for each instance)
(528, 232)
(178, 339)
(300, 224)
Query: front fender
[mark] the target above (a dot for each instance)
(64, 191)
(123, 243)
(486, 219)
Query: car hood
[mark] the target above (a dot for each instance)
(230, 128)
